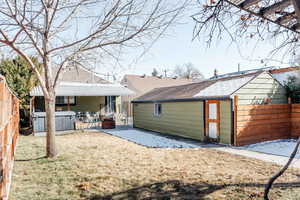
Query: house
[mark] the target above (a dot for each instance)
(204, 110)
(282, 74)
(82, 92)
(143, 84)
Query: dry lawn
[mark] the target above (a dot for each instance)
(99, 166)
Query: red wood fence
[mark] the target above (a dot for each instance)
(295, 120)
(9, 131)
(257, 123)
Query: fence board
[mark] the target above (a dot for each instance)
(296, 106)
(258, 111)
(263, 117)
(260, 107)
(255, 122)
(9, 131)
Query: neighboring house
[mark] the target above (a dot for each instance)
(81, 75)
(143, 84)
(82, 91)
(282, 74)
(204, 110)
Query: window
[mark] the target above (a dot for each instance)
(110, 104)
(65, 100)
(157, 109)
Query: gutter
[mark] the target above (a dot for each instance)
(184, 100)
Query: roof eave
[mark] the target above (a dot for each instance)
(183, 100)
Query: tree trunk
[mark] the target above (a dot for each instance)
(50, 117)
(280, 172)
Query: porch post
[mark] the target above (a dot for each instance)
(32, 106)
(69, 109)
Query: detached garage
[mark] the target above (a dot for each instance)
(205, 110)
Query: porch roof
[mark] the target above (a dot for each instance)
(85, 89)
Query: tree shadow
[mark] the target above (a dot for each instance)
(175, 189)
(30, 159)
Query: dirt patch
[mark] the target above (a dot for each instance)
(100, 166)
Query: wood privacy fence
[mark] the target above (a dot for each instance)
(295, 120)
(257, 123)
(9, 131)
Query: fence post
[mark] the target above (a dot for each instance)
(290, 116)
(2, 88)
(235, 107)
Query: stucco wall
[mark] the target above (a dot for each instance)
(178, 118)
(262, 87)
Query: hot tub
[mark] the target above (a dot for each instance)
(64, 120)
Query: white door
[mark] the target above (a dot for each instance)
(212, 120)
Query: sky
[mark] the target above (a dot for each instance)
(178, 48)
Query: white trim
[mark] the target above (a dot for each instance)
(156, 109)
(86, 89)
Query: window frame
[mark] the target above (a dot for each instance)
(157, 109)
(66, 103)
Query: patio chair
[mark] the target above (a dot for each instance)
(88, 118)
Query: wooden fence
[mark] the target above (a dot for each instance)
(295, 120)
(257, 123)
(9, 131)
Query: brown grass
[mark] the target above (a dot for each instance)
(99, 166)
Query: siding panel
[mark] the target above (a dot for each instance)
(262, 87)
(177, 118)
(225, 122)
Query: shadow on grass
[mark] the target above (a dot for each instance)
(177, 190)
(30, 159)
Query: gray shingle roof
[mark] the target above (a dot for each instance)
(209, 89)
(143, 84)
(80, 75)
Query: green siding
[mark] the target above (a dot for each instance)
(225, 122)
(262, 87)
(178, 118)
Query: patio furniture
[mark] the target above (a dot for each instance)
(108, 123)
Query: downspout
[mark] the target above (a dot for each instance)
(31, 110)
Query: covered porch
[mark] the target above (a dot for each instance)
(84, 104)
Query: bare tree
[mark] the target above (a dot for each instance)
(296, 61)
(61, 32)
(252, 20)
(189, 71)
(249, 20)
(281, 171)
